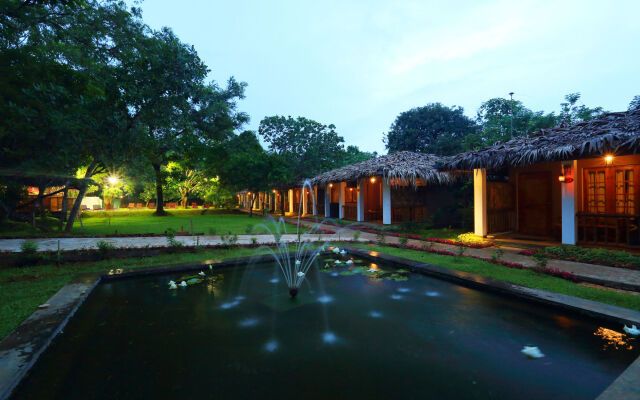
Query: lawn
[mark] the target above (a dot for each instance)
(518, 276)
(23, 289)
(208, 222)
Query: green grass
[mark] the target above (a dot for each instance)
(208, 222)
(22, 290)
(521, 277)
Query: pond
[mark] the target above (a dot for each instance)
(360, 331)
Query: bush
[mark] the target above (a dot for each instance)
(614, 258)
(541, 258)
(171, 238)
(403, 241)
(29, 247)
(104, 248)
(356, 235)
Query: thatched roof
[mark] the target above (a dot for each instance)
(403, 165)
(613, 133)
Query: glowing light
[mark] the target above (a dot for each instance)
(331, 185)
(373, 179)
(350, 189)
(608, 159)
(614, 339)
(565, 179)
(112, 180)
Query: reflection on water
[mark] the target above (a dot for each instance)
(614, 339)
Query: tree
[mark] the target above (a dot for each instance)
(433, 128)
(503, 119)
(186, 181)
(635, 103)
(305, 146)
(571, 113)
(245, 166)
(352, 154)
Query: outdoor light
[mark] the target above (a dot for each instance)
(373, 179)
(331, 185)
(608, 159)
(112, 180)
(565, 179)
(350, 189)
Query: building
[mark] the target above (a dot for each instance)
(576, 184)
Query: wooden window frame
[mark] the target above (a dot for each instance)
(610, 188)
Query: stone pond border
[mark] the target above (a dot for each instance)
(22, 348)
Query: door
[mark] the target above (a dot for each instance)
(534, 203)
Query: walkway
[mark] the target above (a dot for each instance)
(620, 278)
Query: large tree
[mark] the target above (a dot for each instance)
(571, 112)
(306, 147)
(433, 128)
(246, 166)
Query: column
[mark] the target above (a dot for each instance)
(303, 193)
(290, 200)
(327, 201)
(568, 195)
(360, 201)
(480, 201)
(341, 187)
(386, 202)
(314, 199)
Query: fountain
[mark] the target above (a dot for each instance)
(295, 269)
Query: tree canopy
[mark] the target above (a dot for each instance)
(433, 128)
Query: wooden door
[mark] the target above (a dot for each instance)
(534, 203)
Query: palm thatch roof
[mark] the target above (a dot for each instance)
(614, 133)
(404, 166)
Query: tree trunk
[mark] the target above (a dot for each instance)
(252, 199)
(159, 183)
(63, 211)
(81, 193)
(282, 203)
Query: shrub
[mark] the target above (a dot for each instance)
(403, 241)
(541, 258)
(254, 241)
(104, 248)
(29, 247)
(380, 238)
(171, 238)
(356, 235)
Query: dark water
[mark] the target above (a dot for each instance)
(136, 339)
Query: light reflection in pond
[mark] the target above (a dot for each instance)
(614, 339)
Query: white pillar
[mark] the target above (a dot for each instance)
(360, 202)
(303, 193)
(341, 187)
(327, 201)
(480, 201)
(290, 200)
(314, 199)
(568, 194)
(386, 202)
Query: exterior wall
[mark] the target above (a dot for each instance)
(418, 204)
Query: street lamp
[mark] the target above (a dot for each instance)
(112, 180)
(511, 128)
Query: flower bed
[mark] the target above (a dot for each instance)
(542, 270)
(609, 258)
(473, 245)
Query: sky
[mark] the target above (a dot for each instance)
(358, 64)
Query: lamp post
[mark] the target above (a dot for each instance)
(511, 122)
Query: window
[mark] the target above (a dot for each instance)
(625, 191)
(596, 191)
